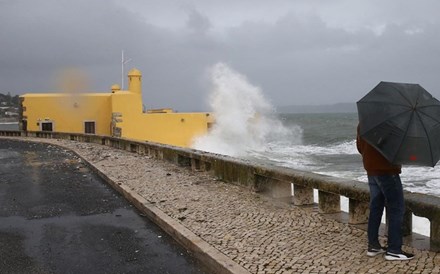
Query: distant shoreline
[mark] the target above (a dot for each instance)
(330, 108)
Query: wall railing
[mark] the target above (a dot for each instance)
(274, 181)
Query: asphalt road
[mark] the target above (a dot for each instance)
(56, 216)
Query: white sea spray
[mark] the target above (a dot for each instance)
(245, 121)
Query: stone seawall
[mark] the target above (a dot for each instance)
(276, 182)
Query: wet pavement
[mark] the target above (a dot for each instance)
(56, 216)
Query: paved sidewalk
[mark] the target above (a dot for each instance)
(260, 235)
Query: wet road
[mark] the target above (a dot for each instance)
(56, 216)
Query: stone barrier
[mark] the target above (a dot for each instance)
(274, 181)
(10, 133)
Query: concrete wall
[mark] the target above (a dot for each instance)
(276, 182)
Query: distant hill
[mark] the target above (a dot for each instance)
(9, 108)
(334, 108)
(9, 100)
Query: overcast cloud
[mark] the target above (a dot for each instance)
(297, 52)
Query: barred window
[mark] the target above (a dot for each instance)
(89, 127)
(46, 126)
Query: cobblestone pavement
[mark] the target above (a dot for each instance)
(261, 235)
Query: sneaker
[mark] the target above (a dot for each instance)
(373, 251)
(402, 256)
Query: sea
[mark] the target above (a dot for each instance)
(8, 126)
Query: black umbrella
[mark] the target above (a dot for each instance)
(402, 121)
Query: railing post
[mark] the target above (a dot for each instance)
(302, 195)
(273, 187)
(407, 223)
(195, 165)
(358, 212)
(329, 202)
(435, 230)
(281, 189)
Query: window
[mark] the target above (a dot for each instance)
(47, 126)
(89, 127)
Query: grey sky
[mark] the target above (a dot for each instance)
(298, 52)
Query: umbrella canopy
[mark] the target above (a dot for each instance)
(402, 121)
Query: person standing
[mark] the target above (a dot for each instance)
(385, 191)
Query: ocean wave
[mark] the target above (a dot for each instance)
(344, 148)
(244, 118)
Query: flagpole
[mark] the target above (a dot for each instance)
(122, 71)
(123, 62)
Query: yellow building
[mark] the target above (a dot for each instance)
(117, 113)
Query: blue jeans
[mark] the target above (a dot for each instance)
(386, 191)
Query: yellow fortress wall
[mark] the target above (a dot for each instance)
(67, 113)
(118, 113)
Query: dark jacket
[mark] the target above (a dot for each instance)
(374, 163)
